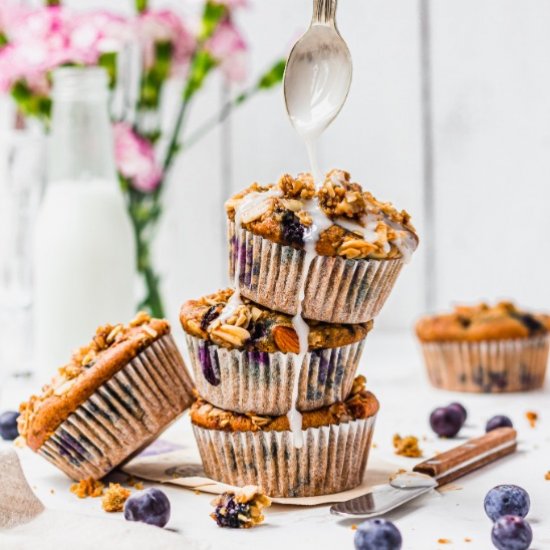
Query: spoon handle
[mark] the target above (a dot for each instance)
(324, 12)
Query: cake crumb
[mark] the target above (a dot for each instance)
(547, 475)
(353, 527)
(444, 541)
(52, 491)
(532, 418)
(114, 498)
(138, 485)
(87, 488)
(375, 446)
(467, 539)
(407, 446)
(197, 492)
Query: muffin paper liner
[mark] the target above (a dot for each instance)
(337, 290)
(124, 414)
(332, 459)
(252, 381)
(490, 366)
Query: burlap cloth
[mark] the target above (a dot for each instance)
(26, 525)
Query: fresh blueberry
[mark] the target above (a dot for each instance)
(461, 408)
(506, 500)
(378, 534)
(293, 230)
(8, 425)
(151, 506)
(446, 421)
(498, 421)
(511, 533)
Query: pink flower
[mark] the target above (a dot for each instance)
(228, 47)
(45, 38)
(135, 159)
(154, 27)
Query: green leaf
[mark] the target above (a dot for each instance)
(108, 61)
(3, 39)
(153, 79)
(202, 64)
(141, 5)
(273, 76)
(211, 16)
(31, 104)
(53, 2)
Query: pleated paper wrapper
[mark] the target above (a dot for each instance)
(332, 459)
(124, 414)
(337, 290)
(489, 366)
(244, 381)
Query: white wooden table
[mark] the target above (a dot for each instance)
(394, 370)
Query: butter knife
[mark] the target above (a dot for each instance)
(430, 474)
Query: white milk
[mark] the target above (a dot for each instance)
(84, 266)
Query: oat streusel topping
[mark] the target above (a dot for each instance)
(363, 227)
(407, 446)
(114, 498)
(257, 328)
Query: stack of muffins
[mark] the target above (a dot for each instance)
(311, 269)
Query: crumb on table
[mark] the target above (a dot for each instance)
(532, 418)
(444, 541)
(467, 539)
(87, 488)
(114, 498)
(547, 475)
(138, 485)
(353, 527)
(407, 446)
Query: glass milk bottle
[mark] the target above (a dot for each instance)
(84, 252)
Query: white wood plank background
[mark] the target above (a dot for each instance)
(490, 84)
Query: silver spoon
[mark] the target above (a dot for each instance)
(318, 73)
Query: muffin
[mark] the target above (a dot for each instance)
(247, 361)
(484, 348)
(336, 246)
(113, 397)
(259, 450)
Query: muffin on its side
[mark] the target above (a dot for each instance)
(114, 396)
(484, 348)
(346, 247)
(247, 360)
(259, 450)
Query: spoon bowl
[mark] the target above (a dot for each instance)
(318, 74)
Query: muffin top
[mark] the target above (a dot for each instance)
(360, 404)
(502, 321)
(352, 223)
(253, 327)
(112, 347)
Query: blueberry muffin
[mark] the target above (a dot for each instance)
(247, 360)
(484, 348)
(252, 449)
(337, 246)
(113, 397)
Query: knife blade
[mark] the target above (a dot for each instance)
(430, 474)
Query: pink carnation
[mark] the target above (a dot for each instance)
(153, 27)
(135, 159)
(228, 47)
(45, 38)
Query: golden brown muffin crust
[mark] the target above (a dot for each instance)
(503, 321)
(112, 347)
(256, 328)
(360, 404)
(284, 216)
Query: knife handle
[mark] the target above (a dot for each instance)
(470, 456)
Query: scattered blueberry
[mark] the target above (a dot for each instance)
(506, 500)
(461, 408)
(511, 533)
(8, 425)
(377, 534)
(151, 506)
(498, 421)
(446, 421)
